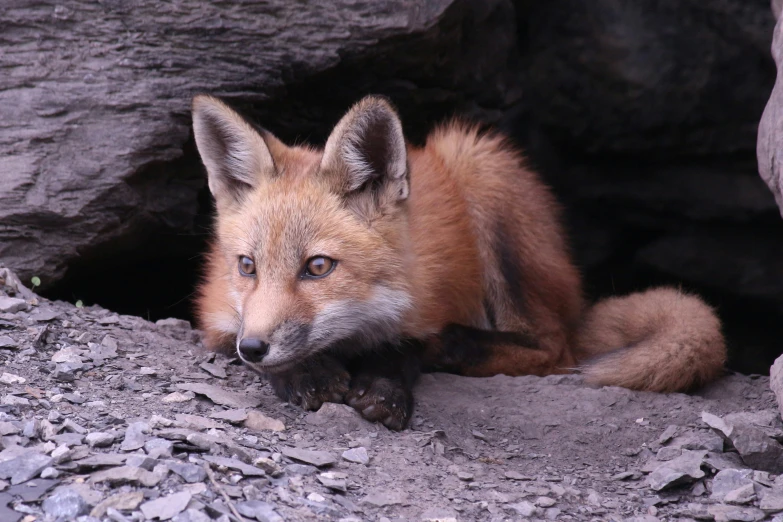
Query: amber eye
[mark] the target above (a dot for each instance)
(319, 266)
(247, 267)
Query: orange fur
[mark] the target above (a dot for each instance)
(474, 240)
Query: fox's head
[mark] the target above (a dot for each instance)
(313, 242)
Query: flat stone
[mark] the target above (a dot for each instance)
(232, 416)
(189, 472)
(515, 475)
(729, 480)
(238, 465)
(69, 354)
(10, 378)
(141, 461)
(524, 508)
(65, 503)
(6, 341)
(772, 502)
(222, 396)
(316, 458)
(8, 428)
(214, 370)
(757, 449)
(257, 421)
(11, 305)
(300, 469)
(192, 515)
(381, 498)
(665, 454)
(99, 439)
(43, 316)
(271, 467)
(24, 467)
(332, 483)
(259, 510)
(13, 400)
(158, 448)
(358, 455)
(135, 436)
(167, 507)
(726, 513)
(70, 439)
(195, 422)
(120, 501)
(101, 460)
(127, 475)
(339, 417)
(176, 397)
(681, 470)
(741, 495)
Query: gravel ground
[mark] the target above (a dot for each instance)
(107, 417)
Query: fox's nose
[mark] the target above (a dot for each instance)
(252, 349)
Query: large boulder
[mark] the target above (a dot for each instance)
(94, 99)
(770, 133)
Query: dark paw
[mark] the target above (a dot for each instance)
(313, 383)
(379, 399)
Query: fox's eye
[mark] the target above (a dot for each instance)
(319, 266)
(247, 267)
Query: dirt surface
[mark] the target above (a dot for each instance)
(194, 437)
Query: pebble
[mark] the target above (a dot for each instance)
(545, 502)
(176, 397)
(167, 507)
(316, 458)
(358, 455)
(464, 475)
(65, 503)
(271, 467)
(238, 465)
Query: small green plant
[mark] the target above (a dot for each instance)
(79, 304)
(36, 281)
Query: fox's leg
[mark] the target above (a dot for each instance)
(317, 380)
(382, 384)
(482, 353)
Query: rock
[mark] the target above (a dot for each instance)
(68, 354)
(772, 501)
(724, 513)
(128, 501)
(232, 416)
(382, 498)
(300, 469)
(681, 470)
(741, 495)
(24, 467)
(135, 436)
(195, 422)
(158, 448)
(7, 342)
(141, 461)
(257, 421)
(176, 397)
(358, 455)
(221, 396)
(245, 469)
(333, 483)
(259, 510)
(192, 515)
(11, 305)
(189, 472)
(65, 503)
(316, 458)
(167, 507)
(730, 480)
(776, 372)
(99, 439)
(524, 508)
(756, 448)
(270, 467)
(515, 475)
(127, 475)
(10, 378)
(340, 417)
(214, 370)
(101, 460)
(173, 325)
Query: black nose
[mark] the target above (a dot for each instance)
(253, 350)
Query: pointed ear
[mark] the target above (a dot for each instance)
(365, 157)
(233, 152)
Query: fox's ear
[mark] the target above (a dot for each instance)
(233, 152)
(365, 157)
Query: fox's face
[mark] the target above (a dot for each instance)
(313, 243)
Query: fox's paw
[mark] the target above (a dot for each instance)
(381, 399)
(313, 383)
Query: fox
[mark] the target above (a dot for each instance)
(343, 272)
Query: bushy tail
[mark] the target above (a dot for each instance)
(661, 340)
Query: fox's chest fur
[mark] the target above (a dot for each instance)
(371, 246)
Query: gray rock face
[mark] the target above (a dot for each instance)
(770, 132)
(776, 381)
(82, 166)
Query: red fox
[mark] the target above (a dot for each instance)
(339, 273)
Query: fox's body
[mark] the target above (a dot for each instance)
(456, 245)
